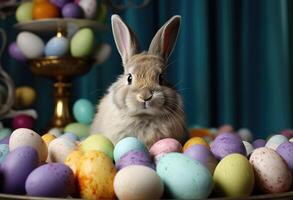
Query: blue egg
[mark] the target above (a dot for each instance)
(5, 132)
(83, 111)
(69, 136)
(4, 150)
(127, 144)
(57, 46)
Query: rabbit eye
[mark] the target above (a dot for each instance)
(161, 79)
(129, 79)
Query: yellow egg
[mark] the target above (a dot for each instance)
(95, 175)
(24, 97)
(234, 176)
(48, 138)
(73, 160)
(194, 141)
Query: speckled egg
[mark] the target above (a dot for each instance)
(258, 143)
(96, 174)
(234, 176)
(193, 141)
(227, 143)
(135, 157)
(202, 155)
(184, 178)
(16, 167)
(73, 160)
(59, 149)
(248, 147)
(285, 150)
(4, 150)
(98, 142)
(127, 144)
(146, 184)
(50, 180)
(26, 137)
(275, 141)
(164, 146)
(48, 137)
(271, 172)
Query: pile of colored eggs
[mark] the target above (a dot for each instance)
(68, 164)
(80, 45)
(44, 9)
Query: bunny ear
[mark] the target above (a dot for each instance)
(165, 39)
(125, 39)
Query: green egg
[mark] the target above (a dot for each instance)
(24, 12)
(5, 132)
(81, 130)
(82, 43)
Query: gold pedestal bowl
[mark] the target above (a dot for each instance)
(61, 70)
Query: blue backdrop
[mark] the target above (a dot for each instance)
(232, 63)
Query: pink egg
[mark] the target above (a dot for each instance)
(23, 121)
(225, 129)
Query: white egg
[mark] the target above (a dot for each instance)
(26, 137)
(57, 46)
(275, 141)
(59, 149)
(31, 45)
(89, 7)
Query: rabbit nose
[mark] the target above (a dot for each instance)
(144, 98)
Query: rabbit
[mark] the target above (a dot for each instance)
(141, 103)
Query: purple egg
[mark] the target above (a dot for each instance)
(285, 150)
(50, 180)
(72, 10)
(227, 143)
(15, 52)
(16, 167)
(258, 143)
(135, 157)
(288, 133)
(202, 155)
(5, 140)
(60, 3)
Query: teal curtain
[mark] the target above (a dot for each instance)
(232, 63)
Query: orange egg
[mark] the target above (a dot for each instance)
(194, 141)
(44, 9)
(48, 137)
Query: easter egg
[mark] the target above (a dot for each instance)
(134, 157)
(245, 134)
(73, 160)
(24, 12)
(202, 155)
(59, 149)
(288, 133)
(48, 138)
(234, 176)
(248, 147)
(226, 128)
(271, 172)
(15, 52)
(16, 167)
(82, 43)
(5, 140)
(4, 150)
(25, 96)
(45, 9)
(98, 142)
(89, 8)
(31, 45)
(96, 176)
(164, 146)
(57, 46)
(72, 10)
(83, 111)
(193, 141)
(127, 144)
(4, 132)
(26, 137)
(285, 150)
(69, 136)
(258, 143)
(60, 3)
(146, 184)
(275, 141)
(227, 143)
(184, 178)
(23, 121)
(55, 131)
(81, 130)
(50, 180)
